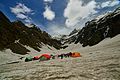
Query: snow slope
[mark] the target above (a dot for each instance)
(99, 62)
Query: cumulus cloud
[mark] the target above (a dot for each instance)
(75, 11)
(48, 13)
(110, 3)
(21, 11)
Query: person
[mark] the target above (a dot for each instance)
(60, 56)
(67, 55)
(52, 56)
(70, 54)
(64, 55)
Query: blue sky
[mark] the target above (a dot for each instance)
(56, 16)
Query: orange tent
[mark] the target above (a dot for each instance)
(75, 54)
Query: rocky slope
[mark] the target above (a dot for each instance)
(72, 36)
(98, 29)
(15, 36)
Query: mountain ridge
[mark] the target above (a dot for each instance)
(96, 30)
(11, 32)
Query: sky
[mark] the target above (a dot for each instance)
(56, 16)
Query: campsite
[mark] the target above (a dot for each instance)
(59, 39)
(101, 61)
(47, 56)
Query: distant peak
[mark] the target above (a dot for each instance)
(30, 25)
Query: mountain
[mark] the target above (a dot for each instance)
(74, 32)
(71, 37)
(67, 39)
(15, 36)
(98, 29)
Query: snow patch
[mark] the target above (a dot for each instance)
(17, 41)
(106, 31)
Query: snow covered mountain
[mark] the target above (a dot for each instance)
(98, 29)
(71, 37)
(94, 31)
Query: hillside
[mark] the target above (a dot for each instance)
(72, 36)
(98, 29)
(15, 36)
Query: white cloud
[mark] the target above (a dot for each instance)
(75, 11)
(48, 13)
(50, 1)
(21, 16)
(105, 4)
(21, 11)
(109, 3)
(20, 8)
(55, 30)
(27, 20)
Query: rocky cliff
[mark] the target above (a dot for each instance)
(98, 29)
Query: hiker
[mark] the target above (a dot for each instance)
(52, 56)
(21, 58)
(65, 55)
(61, 56)
(70, 54)
(58, 56)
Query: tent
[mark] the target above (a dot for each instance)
(75, 54)
(36, 58)
(45, 57)
(28, 59)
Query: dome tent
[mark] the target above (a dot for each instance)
(45, 57)
(28, 59)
